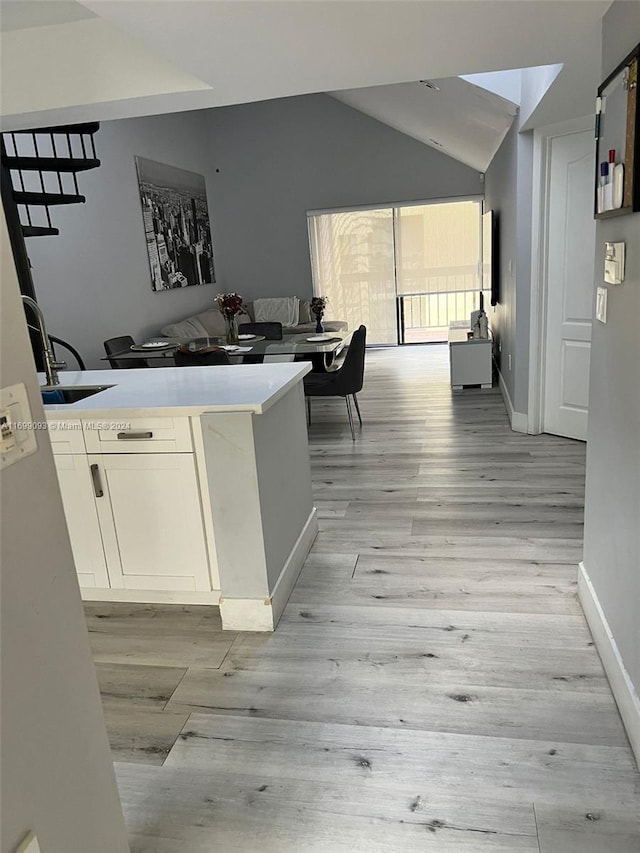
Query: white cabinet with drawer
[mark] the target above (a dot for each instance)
(133, 506)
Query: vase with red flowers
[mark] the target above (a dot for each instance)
(230, 305)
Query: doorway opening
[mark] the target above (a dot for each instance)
(407, 271)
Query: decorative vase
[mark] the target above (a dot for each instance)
(319, 326)
(232, 329)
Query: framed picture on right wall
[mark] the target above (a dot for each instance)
(617, 179)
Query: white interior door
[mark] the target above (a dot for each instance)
(570, 253)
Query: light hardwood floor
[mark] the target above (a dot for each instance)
(432, 685)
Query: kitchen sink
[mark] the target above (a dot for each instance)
(69, 395)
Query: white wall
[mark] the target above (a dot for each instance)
(265, 164)
(93, 280)
(612, 511)
(57, 775)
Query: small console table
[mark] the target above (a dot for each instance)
(470, 360)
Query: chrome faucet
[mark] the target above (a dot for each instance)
(51, 366)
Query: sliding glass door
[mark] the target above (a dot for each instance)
(406, 272)
(353, 266)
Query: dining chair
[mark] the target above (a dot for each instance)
(184, 357)
(124, 342)
(270, 331)
(345, 382)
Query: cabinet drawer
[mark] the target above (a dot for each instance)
(66, 436)
(138, 435)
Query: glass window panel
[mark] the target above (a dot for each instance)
(353, 266)
(438, 247)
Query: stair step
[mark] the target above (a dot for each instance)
(47, 198)
(51, 164)
(90, 127)
(38, 231)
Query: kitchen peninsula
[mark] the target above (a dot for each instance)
(187, 485)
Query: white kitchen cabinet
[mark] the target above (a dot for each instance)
(151, 521)
(76, 488)
(135, 518)
(188, 486)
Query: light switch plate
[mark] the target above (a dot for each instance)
(17, 435)
(601, 304)
(29, 845)
(614, 263)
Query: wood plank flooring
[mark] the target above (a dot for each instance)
(432, 685)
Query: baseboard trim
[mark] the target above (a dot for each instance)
(518, 420)
(263, 614)
(622, 687)
(135, 596)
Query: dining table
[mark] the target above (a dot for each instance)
(321, 350)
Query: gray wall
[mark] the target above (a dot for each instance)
(276, 160)
(93, 280)
(57, 775)
(612, 512)
(508, 191)
(500, 196)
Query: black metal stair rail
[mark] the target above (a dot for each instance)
(61, 158)
(67, 151)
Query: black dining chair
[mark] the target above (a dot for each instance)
(345, 382)
(269, 331)
(124, 342)
(206, 356)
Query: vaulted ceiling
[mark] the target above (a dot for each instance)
(102, 59)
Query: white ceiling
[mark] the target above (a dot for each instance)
(463, 120)
(140, 57)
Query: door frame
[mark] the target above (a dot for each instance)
(542, 141)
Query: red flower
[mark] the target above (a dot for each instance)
(230, 304)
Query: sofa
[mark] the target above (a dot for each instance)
(210, 323)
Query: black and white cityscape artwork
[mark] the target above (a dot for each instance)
(176, 224)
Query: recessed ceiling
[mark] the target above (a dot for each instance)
(463, 120)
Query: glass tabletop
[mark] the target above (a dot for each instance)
(296, 345)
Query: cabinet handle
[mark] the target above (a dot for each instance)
(133, 436)
(97, 485)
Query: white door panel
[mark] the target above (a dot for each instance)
(570, 254)
(76, 488)
(151, 521)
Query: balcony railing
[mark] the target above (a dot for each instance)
(426, 316)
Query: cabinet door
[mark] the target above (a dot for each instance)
(151, 522)
(76, 488)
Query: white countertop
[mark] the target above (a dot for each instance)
(173, 391)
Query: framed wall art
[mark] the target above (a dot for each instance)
(176, 225)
